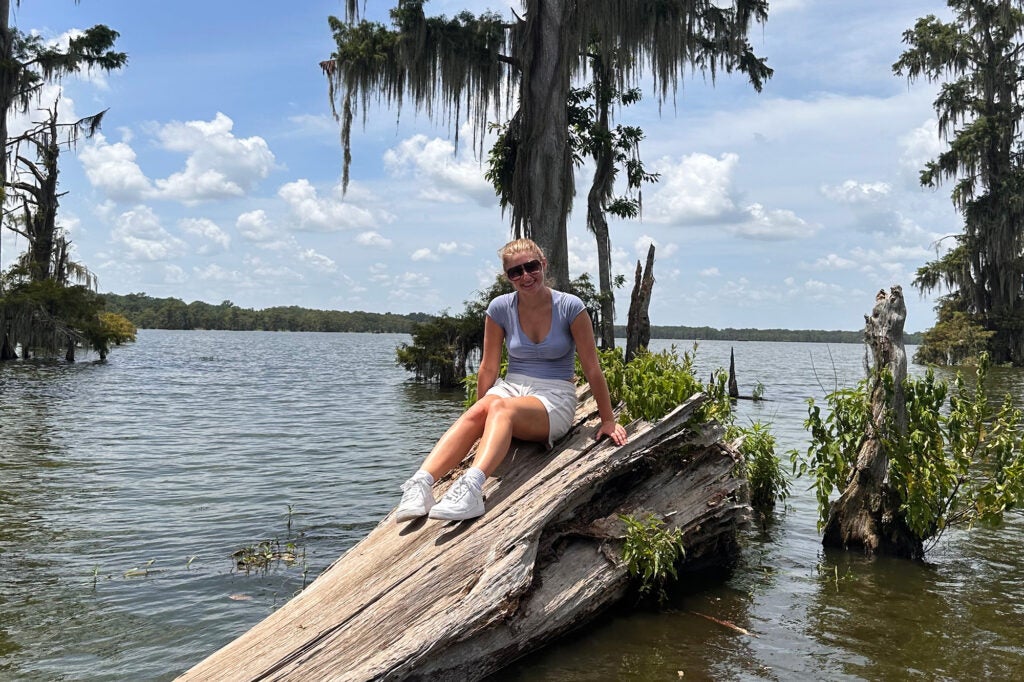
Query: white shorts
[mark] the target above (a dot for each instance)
(557, 395)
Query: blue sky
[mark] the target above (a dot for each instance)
(217, 172)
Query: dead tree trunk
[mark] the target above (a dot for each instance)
(6, 349)
(638, 324)
(432, 600)
(734, 387)
(867, 514)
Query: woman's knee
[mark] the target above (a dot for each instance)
(479, 410)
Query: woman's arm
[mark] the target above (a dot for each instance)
(586, 349)
(490, 358)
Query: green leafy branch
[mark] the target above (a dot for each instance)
(651, 552)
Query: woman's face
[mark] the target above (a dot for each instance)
(525, 270)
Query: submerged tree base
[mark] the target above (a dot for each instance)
(868, 513)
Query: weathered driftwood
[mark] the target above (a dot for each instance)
(638, 321)
(867, 514)
(435, 600)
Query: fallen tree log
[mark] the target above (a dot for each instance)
(457, 601)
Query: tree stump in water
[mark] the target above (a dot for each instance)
(437, 600)
(734, 388)
(867, 514)
(638, 322)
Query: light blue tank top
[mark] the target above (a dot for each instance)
(552, 358)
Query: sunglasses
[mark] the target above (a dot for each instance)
(515, 272)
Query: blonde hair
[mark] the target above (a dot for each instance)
(518, 246)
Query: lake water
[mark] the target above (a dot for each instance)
(126, 486)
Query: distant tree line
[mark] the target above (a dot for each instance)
(730, 334)
(147, 312)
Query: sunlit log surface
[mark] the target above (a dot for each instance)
(443, 600)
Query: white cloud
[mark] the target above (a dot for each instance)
(216, 273)
(141, 236)
(373, 239)
(643, 243)
(710, 272)
(259, 269)
(112, 168)
(695, 189)
(919, 146)
(317, 261)
(254, 226)
(424, 254)
(894, 252)
(174, 274)
(448, 248)
(834, 262)
(440, 175)
(325, 214)
(853, 192)
(216, 239)
(219, 165)
(772, 225)
(314, 124)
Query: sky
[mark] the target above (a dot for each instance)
(216, 175)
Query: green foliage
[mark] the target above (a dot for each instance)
(685, 333)
(440, 349)
(977, 59)
(109, 328)
(655, 383)
(651, 552)
(960, 461)
(758, 392)
(835, 442)
(762, 467)
(47, 317)
(147, 312)
(957, 338)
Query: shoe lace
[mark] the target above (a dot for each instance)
(411, 492)
(458, 491)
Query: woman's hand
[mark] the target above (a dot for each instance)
(613, 430)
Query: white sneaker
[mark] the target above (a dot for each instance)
(416, 500)
(462, 501)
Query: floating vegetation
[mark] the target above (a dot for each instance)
(140, 572)
(261, 556)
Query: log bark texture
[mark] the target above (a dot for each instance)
(867, 514)
(432, 600)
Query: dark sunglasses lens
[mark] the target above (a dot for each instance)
(515, 272)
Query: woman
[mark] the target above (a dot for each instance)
(536, 401)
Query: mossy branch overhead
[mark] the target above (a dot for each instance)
(450, 69)
(460, 67)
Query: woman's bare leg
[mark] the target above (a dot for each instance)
(459, 438)
(525, 418)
